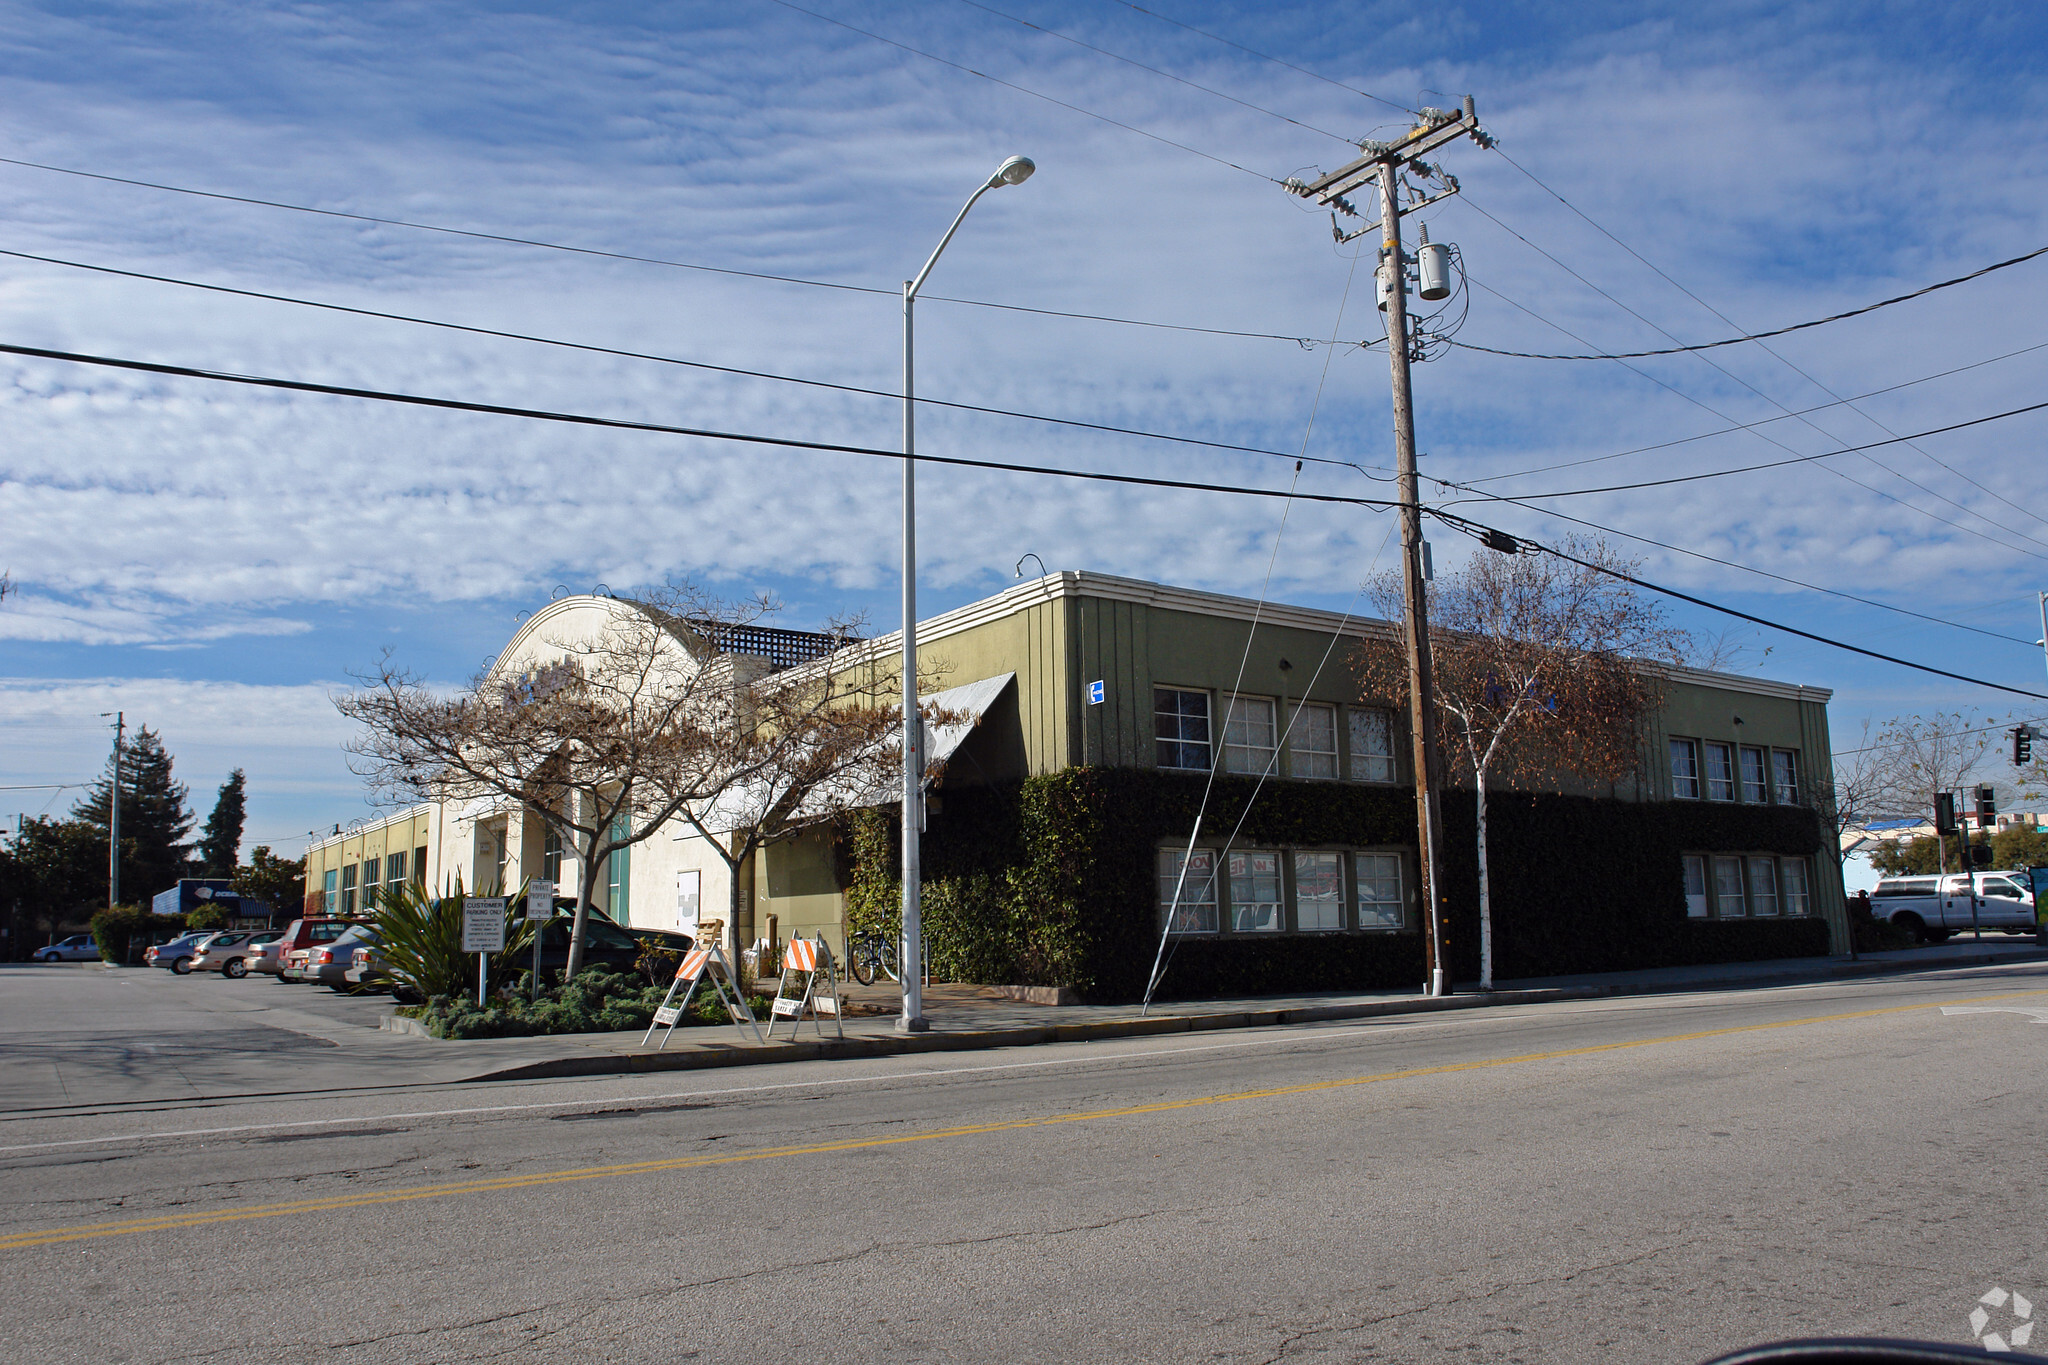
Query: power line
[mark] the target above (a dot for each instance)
(1769, 351)
(1182, 80)
(624, 424)
(1797, 459)
(1307, 343)
(1731, 564)
(1265, 57)
(1751, 426)
(1477, 531)
(1026, 90)
(1753, 336)
(1464, 524)
(1730, 374)
(1840, 474)
(659, 359)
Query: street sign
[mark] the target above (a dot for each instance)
(1095, 693)
(483, 924)
(540, 900)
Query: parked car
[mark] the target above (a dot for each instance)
(366, 969)
(300, 937)
(77, 948)
(604, 944)
(266, 959)
(328, 963)
(1933, 908)
(177, 954)
(228, 953)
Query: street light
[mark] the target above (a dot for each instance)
(1014, 171)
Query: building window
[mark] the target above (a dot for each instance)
(1785, 775)
(1372, 745)
(1792, 885)
(1685, 769)
(1248, 736)
(1312, 742)
(1379, 890)
(394, 870)
(1728, 887)
(332, 898)
(1318, 891)
(551, 855)
(1255, 904)
(348, 889)
(1755, 777)
(1180, 720)
(1194, 912)
(619, 875)
(1720, 772)
(1763, 886)
(419, 866)
(1695, 886)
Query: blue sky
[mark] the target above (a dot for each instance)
(215, 561)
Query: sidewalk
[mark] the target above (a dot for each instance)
(965, 1018)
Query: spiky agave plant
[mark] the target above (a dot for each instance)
(420, 940)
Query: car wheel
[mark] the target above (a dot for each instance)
(235, 969)
(182, 967)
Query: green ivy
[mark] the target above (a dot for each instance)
(1050, 882)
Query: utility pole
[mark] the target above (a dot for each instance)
(114, 818)
(1384, 163)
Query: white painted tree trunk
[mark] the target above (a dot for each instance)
(1485, 890)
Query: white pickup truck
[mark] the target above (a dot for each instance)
(1932, 908)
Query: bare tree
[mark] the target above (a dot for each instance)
(1856, 792)
(1542, 666)
(1918, 756)
(606, 734)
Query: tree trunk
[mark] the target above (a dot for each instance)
(586, 891)
(1485, 889)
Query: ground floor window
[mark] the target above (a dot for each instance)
(1264, 891)
(1746, 886)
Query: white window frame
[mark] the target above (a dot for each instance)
(1242, 752)
(1764, 902)
(1784, 792)
(1719, 785)
(1759, 792)
(1365, 724)
(1207, 744)
(1789, 871)
(1720, 863)
(1255, 914)
(1696, 902)
(1201, 878)
(1300, 757)
(1374, 906)
(1324, 907)
(1689, 749)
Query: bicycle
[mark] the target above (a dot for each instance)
(869, 954)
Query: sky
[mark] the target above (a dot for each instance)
(218, 561)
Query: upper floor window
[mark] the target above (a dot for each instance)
(551, 855)
(1312, 742)
(394, 869)
(331, 901)
(1180, 720)
(1248, 736)
(348, 889)
(1372, 745)
(1755, 776)
(1785, 777)
(1685, 769)
(1720, 771)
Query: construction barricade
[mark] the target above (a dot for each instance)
(808, 962)
(699, 965)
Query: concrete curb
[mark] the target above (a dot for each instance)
(709, 1054)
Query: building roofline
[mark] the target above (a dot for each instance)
(412, 812)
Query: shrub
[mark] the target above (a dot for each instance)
(116, 929)
(597, 1000)
(420, 939)
(207, 917)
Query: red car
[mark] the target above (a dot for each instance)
(298, 942)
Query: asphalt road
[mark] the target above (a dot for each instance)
(1660, 1179)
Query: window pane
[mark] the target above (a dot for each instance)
(1792, 881)
(1312, 743)
(1755, 782)
(1720, 772)
(1180, 721)
(1318, 891)
(1728, 888)
(332, 898)
(1685, 769)
(1372, 745)
(1197, 905)
(1255, 892)
(1248, 735)
(1379, 890)
(348, 889)
(1695, 885)
(1785, 769)
(1763, 886)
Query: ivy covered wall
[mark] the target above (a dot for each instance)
(1050, 882)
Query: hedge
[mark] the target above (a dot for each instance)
(1050, 882)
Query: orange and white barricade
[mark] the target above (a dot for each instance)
(699, 965)
(807, 960)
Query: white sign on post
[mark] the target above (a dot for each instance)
(540, 900)
(483, 924)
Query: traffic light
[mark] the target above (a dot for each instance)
(1944, 812)
(2022, 745)
(1987, 806)
(1980, 855)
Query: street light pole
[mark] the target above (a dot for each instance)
(1014, 171)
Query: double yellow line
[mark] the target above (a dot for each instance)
(495, 1184)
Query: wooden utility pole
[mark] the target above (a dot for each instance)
(114, 818)
(1384, 164)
